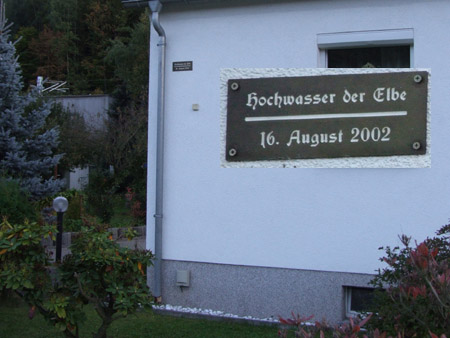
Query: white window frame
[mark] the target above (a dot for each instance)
(361, 39)
(348, 301)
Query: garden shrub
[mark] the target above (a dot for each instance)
(304, 329)
(73, 217)
(75, 199)
(75, 211)
(417, 298)
(100, 192)
(412, 297)
(14, 203)
(135, 204)
(98, 271)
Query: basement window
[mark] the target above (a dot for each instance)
(357, 300)
(367, 49)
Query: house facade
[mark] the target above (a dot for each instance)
(264, 235)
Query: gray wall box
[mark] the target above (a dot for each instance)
(183, 278)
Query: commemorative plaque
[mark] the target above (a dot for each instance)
(329, 116)
(182, 66)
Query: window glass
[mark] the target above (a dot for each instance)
(370, 57)
(361, 299)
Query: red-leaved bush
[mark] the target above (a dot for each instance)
(417, 298)
(412, 297)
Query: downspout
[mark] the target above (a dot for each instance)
(155, 8)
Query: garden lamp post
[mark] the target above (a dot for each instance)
(60, 205)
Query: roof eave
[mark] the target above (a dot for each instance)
(144, 3)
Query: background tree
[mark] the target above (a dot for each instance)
(27, 13)
(132, 44)
(126, 144)
(97, 47)
(29, 18)
(26, 148)
(28, 62)
(50, 50)
(80, 33)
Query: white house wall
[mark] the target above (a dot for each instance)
(313, 219)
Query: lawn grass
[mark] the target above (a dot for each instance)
(14, 322)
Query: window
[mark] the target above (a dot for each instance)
(370, 57)
(371, 49)
(357, 300)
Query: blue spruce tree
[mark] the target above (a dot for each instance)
(26, 147)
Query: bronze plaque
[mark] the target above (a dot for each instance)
(330, 116)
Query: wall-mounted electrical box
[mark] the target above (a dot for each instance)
(183, 278)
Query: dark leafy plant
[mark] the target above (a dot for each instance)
(80, 143)
(111, 278)
(100, 193)
(351, 329)
(98, 272)
(137, 209)
(75, 198)
(417, 301)
(14, 203)
(25, 270)
(302, 329)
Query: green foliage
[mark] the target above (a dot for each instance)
(126, 146)
(26, 146)
(75, 199)
(134, 201)
(133, 46)
(98, 47)
(76, 208)
(305, 329)
(99, 202)
(27, 13)
(98, 271)
(126, 150)
(27, 59)
(50, 48)
(100, 194)
(107, 273)
(72, 41)
(80, 144)
(14, 202)
(23, 261)
(417, 299)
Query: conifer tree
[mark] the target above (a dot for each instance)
(26, 147)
